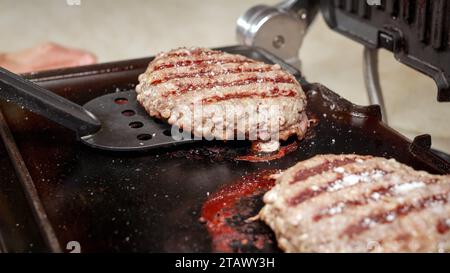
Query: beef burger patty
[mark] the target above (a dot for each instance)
(351, 203)
(239, 98)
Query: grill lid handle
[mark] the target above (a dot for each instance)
(26, 94)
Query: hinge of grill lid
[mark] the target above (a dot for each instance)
(278, 29)
(416, 31)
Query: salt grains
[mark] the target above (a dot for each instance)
(407, 187)
(352, 179)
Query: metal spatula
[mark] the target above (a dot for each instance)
(115, 122)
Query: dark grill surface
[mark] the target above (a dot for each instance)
(151, 202)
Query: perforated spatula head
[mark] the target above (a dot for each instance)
(126, 126)
(114, 122)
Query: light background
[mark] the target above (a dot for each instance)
(119, 29)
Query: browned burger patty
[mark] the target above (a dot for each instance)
(222, 84)
(351, 203)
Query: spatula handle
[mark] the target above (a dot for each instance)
(31, 96)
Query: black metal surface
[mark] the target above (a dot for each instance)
(19, 230)
(126, 125)
(416, 31)
(43, 225)
(151, 201)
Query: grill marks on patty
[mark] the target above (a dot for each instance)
(183, 87)
(339, 203)
(250, 76)
(338, 168)
(211, 73)
(336, 184)
(198, 59)
(178, 80)
(304, 174)
(199, 63)
(273, 93)
(195, 52)
(389, 216)
(373, 195)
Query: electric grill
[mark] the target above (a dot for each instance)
(58, 193)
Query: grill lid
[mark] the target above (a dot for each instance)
(416, 31)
